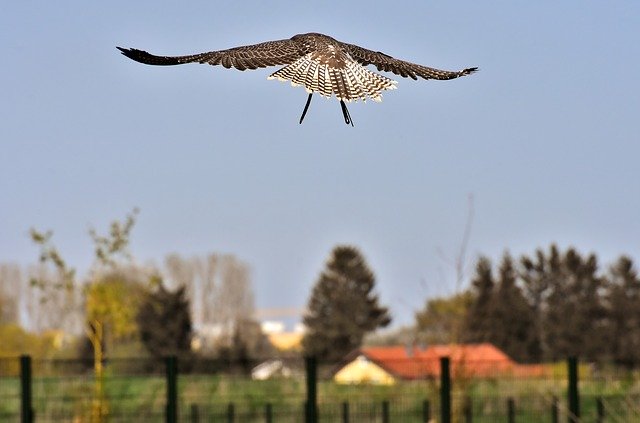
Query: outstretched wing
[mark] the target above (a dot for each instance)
(270, 53)
(386, 63)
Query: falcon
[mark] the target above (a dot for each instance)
(317, 62)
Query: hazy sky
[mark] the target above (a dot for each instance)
(545, 137)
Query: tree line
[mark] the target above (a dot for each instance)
(120, 304)
(120, 307)
(540, 307)
(545, 307)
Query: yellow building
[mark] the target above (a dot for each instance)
(286, 341)
(362, 370)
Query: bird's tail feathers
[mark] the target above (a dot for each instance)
(351, 82)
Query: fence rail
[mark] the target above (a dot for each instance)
(173, 390)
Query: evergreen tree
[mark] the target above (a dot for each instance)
(575, 316)
(624, 313)
(539, 276)
(164, 322)
(499, 313)
(555, 305)
(512, 316)
(342, 307)
(479, 321)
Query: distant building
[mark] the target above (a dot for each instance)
(280, 338)
(385, 365)
(364, 370)
(270, 369)
(272, 326)
(286, 341)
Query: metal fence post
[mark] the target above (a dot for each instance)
(573, 396)
(467, 410)
(345, 412)
(171, 364)
(268, 413)
(195, 414)
(600, 410)
(426, 411)
(385, 411)
(445, 391)
(511, 410)
(231, 413)
(26, 412)
(311, 415)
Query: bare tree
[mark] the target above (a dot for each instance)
(181, 272)
(205, 271)
(199, 277)
(10, 278)
(234, 301)
(51, 304)
(219, 291)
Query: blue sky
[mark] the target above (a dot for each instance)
(545, 137)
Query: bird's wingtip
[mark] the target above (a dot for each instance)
(131, 52)
(126, 51)
(469, 71)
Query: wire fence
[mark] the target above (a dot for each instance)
(281, 389)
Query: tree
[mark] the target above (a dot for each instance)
(512, 316)
(206, 271)
(111, 304)
(499, 313)
(479, 319)
(9, 292)
(539, 276)
(220, 294)
(248, 345)
(559, 310)
(342, 307)
(576, 316)
(16, 341)
(164, 321)
(57, 287)
(234, 302)
(624, 314)
(201, 276)
(552, 305)
(106, 308)
(182, 273)
(442, 318)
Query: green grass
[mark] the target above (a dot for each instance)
(64, 398)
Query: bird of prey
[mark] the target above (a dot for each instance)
(318, 62)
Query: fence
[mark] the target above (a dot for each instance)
(172, 390)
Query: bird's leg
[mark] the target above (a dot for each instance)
(306, 107)
(345, 113)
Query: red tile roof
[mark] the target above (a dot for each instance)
(480, 360)
(404, 362)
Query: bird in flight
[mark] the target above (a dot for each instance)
(317, 62)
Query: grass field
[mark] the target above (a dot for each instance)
(214, 397)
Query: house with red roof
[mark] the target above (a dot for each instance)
(385, 365)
